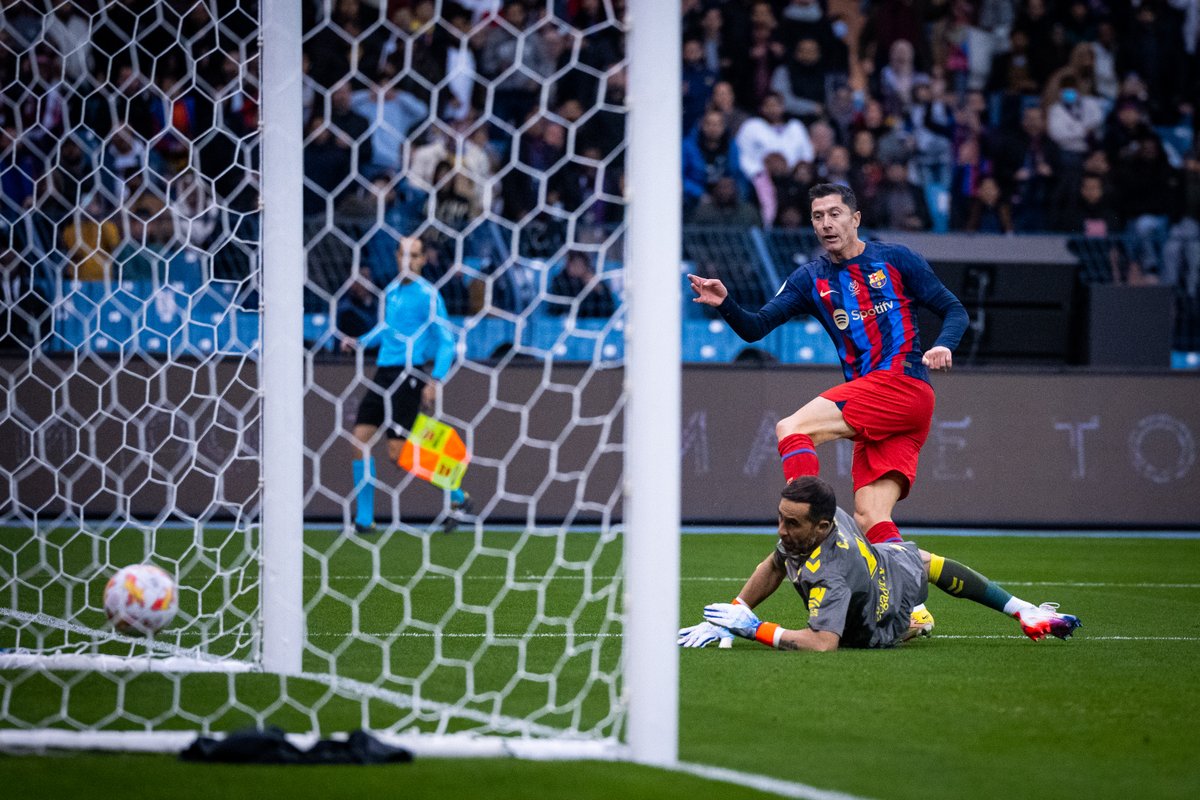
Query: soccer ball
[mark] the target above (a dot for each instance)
(141, 599)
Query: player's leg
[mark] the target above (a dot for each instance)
(819, 421)
(874, 502)
(369, 419)
(959, 580)
(405, 405)
(363, 466)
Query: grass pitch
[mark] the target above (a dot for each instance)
(978, 710)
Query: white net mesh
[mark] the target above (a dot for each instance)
(495, 136)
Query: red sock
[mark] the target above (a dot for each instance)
(885, 531)
(799, 457)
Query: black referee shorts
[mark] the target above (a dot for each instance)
(401, 390)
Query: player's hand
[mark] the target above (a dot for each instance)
(709, 291)
(346, 344)
(429, 396)
(702, 635)
(938, 358)
(737, 619)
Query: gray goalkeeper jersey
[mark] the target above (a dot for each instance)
(862, 592)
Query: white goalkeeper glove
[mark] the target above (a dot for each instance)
(702, 635)
(739, 620)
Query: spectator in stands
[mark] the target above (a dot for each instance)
(801, 81)
(824, 138)
(193, 210)
(970, 168)
(892, 21)
(873, 119)
(443, 271)
(343, 43)
(18, 170)
(723, 100)
(762, 54)
(178, 117)
(899, 205)
(391, 113)
(698, 82)
(358, 306)
(330, 148)
(1081, 68)
(929, 121)
(769, 185)
(1152, 48)
(517, 93)
(989, 212)
(724, 206)
(451, 208)
(69, 30)
(68, 178)
(577, 288)
(90, 239)
(711, 35)
(1012, 75)
(1047, 42)
(898, 77)
(1027, 166)
(837, 167)
(1125, 129)
(772, 133)
(1075, 123)
(709, 153)
(866, 170)
(1092, 214)
(1104, 60)
(1181, 253)
(1147, 211)
(139, 257)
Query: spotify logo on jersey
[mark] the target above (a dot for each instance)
(841, 319)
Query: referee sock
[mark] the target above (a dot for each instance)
(364, 492)
(799, 457)
(959, 580)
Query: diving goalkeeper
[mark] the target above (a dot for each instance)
(858, 594)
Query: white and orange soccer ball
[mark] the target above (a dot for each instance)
(141, 599)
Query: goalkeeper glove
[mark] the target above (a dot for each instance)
(739, 620)
(702, 635)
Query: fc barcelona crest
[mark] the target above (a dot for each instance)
(877, 279)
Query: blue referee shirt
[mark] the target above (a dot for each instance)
(415, 328)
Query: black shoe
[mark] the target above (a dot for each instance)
(459, 512)
(366, 530)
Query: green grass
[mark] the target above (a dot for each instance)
(977, 710)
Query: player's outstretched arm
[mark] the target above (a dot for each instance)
(709, 291)
(741, 621)
(767, 577)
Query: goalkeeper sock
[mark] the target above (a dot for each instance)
(799, 457)
(958, 580)
(457, 496)
(364, 492)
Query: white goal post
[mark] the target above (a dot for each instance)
(171, 419)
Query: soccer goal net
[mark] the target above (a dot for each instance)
(215, 350)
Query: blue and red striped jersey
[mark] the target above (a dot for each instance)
(868, 306)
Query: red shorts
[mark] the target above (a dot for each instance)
(891, 413)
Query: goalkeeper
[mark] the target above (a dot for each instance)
(858, 594)
(414, 328)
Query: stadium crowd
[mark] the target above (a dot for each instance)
(126, 137)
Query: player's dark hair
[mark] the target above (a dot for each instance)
(822, 502)
(827, 189)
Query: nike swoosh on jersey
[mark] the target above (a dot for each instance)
(828, 292)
